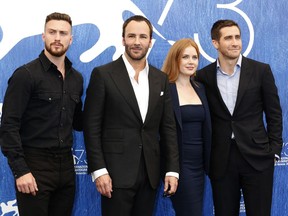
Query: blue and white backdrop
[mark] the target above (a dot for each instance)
(97, 29)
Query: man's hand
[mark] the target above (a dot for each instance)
(170, 185)
(104, 185)
(27, 184)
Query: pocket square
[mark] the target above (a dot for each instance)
(161, 93)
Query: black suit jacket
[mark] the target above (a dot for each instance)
(206, 127)
(257, 94)
(114, 132)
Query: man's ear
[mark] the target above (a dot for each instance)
(215, 44)
(43, 37)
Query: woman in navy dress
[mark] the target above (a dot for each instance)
(193, 126)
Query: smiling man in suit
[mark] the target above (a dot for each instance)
(128, 125)
(244, 146)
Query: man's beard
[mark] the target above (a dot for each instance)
(57, 53)
(133, 56)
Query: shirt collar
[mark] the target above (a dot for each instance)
(238, 65)
(47, 63)
(131, 70)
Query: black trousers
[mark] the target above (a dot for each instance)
(55, 178)
(256, 187)
(138, 200)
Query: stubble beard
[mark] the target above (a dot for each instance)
(136, 57)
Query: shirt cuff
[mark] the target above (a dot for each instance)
(19, 167)
(174, 174)
(98, 173)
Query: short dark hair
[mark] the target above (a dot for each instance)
(137, 18)
(218, 25)
(59, 16)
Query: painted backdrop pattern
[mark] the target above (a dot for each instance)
(97, 27)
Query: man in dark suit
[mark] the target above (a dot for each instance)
(128, 125)
(240, 91)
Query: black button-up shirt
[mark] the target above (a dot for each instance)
(40, 110)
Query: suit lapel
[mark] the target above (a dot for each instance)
(201, 95)
(212, 76)
(245, 76)
(154, 92)
(123, 83)
(176, 106)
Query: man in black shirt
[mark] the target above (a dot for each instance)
(41, 106)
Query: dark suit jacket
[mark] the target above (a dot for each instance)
(114, 132)
(257, 94)
(206, 127)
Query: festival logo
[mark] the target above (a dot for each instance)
(242, 205)
(80, 162)
(284, 156)
(9, 208)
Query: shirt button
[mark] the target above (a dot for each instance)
(63, 108)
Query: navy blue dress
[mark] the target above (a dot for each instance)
(188, 199)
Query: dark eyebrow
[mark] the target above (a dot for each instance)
(228, 37)
(61, 31)
(231, 36)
